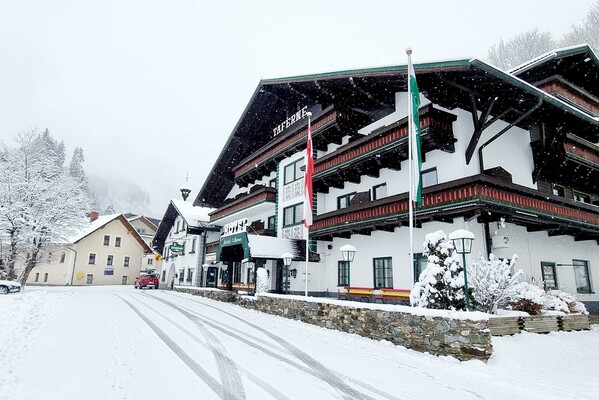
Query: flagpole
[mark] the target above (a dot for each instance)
(308, 176)
(410, 160)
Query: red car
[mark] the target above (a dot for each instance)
(145, 281)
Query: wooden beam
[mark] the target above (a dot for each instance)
(479, 126)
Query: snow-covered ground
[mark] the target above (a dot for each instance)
(120, 343)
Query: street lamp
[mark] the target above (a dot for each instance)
(205, 268)
(462, 240)
(287, 258)
(348, 252)
(224, 268)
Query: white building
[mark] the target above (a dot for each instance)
(181, 237)
(510, 156)
(108, 251)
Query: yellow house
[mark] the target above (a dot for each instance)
(109, 251)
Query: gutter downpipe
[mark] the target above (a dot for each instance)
(74, 263)
(481, 166)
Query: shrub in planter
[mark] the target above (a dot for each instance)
(562, 301)
(493, 283)
(528, 298)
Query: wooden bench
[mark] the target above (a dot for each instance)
(363, 293)
(389, 294)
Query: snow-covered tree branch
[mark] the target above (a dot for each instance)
(42, 204)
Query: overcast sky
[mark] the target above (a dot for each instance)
(152, 89)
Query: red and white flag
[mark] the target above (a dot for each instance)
(308, 179)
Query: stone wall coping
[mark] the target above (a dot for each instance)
(418, 311)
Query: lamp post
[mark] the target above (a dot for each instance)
(462, 240)
(205, 268)
(287, 258)
(348, 252)
(224, 267)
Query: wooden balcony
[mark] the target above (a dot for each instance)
(480, 196)
(564, 90)
(258, 195)
(325, 129)
(384, 148)
(571, 161)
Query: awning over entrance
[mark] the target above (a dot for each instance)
(243, 246)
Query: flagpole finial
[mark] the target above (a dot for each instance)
(309, 114)
(409, 51)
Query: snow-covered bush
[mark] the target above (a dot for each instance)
(564, 302)
(261, 281)
(441, 284)
(492, 282)
(533, 300)
(529, 298)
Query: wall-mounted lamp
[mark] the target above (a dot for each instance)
(293, 272)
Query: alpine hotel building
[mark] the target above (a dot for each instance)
(510, 156)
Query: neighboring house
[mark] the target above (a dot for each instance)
(181, 236)
(109, 251)
(146, 227)
(510, 156)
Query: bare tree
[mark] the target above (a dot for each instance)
(41, 203)
(587, 31)
(523, 47)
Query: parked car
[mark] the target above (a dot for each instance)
(145, 281)
(9, 286)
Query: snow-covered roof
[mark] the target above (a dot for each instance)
(271, 247)
(93, 226)
(546, 56)
(103, 221)
(192, 215)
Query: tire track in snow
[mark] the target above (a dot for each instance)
(366, 386)
(322, 372)
(227, 368)
(273, 391)
(190, 362)
(217, 325)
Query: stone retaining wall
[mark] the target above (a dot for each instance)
(463, 339)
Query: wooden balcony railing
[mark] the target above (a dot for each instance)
(266, 157)
(258, 195)
(461, 197)
(384, 148)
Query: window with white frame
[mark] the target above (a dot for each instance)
(582, 276)
(582, 198)
(558, 190)
(383, 272)
(109, 259)
(379, 191)
(126, 261)
(91, 259)
(342, 273)
(106, 240)
(429, 177)
(420, 263)
(293, 215)
(344, 200)
(293, 172)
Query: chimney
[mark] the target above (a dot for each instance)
(93, 215)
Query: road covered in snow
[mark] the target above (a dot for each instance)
(121, 343)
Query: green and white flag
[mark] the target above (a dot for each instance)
(414, 127)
